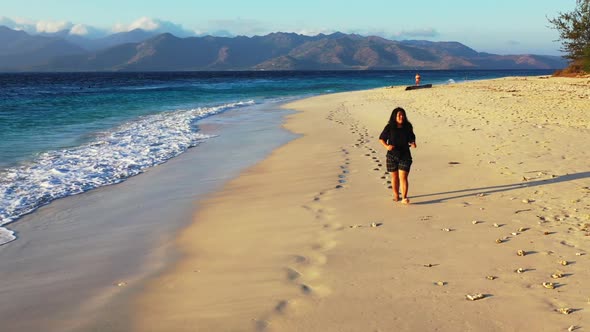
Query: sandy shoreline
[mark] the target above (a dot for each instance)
(288, 245)
(79, 260)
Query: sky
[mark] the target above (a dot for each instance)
(498, 26)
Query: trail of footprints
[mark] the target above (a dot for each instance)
(342, 117)
(304, 269)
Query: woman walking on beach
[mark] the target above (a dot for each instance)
(397, 137)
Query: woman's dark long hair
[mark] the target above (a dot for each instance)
(393, 125)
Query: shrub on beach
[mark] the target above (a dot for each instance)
(574, 34)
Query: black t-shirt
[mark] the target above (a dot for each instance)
(400, 138)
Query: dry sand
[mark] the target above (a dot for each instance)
(310, 239)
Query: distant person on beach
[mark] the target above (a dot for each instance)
(397, 137)
(418, 79)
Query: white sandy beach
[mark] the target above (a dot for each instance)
(310, 239)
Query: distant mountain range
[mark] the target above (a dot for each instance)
(139, 50)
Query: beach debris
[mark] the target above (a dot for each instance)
(446, 229)
(376, 224)
(563, 262)
(474, 297)
(549, 285)
(521, 253)
(491, 277)
(121, 284)
(454, 163)
(557, 275)
(499, 241)
(496, 225)
(355, 226)
(565, 311)
(519, 270)
(546, 233)
(475, 222)
(579, 254)
(428, 265)
(522, 229)
(440, 283)
(524, 179)
(480, 195)
(571, 328)
(526, 201)
(514, 233)
(522, 210)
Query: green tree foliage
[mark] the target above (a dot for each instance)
(574, 33)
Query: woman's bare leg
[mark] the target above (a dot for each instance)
(403, 179)
(395, 185)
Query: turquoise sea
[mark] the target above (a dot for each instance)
(62, 134)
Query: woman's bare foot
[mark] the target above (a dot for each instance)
(396, 198)
(406, 201)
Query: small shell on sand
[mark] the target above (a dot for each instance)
(546, 233)
(571, 328)
(522, 229)
(519, 270)
(499, 241)
(474, 297)
(521, 253)
(428, 265)
(579, 254)
(475, 222)
(549, 285)
(564, 262)
(490, 277)
(565, 311)
(526, 201)
(440, 283)
(121, 284)
(496, 225)
(446, 229)
(557, 275)
(514, 233)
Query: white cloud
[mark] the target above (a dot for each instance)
(79, 29)
(52, 26)
(18, 24)
(153, 24)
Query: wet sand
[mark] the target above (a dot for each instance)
(310, 239)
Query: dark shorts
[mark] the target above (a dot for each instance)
(395, 163)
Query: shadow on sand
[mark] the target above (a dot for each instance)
(454, 194)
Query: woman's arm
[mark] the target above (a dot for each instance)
(387, 146)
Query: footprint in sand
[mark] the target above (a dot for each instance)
(283, 306)
(293, 274)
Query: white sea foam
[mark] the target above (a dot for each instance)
(6, 235)
(111, 158)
